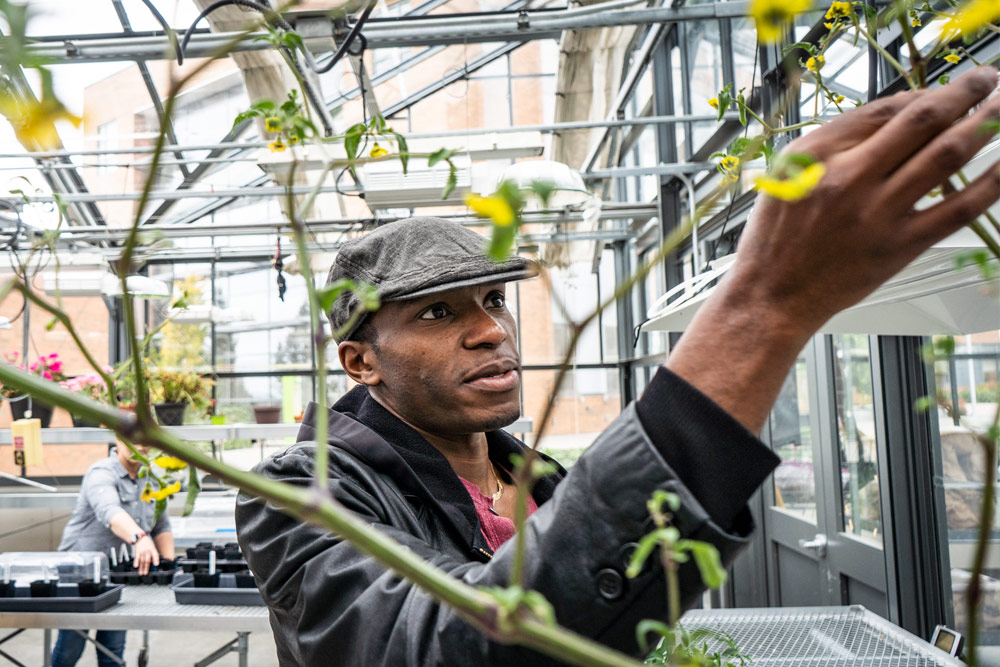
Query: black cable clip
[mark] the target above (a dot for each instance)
(523, 22)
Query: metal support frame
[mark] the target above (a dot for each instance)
(239, 645)
(6, 656)
(503, 26)
(147, 79)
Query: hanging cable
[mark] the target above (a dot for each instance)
(346, 44)
(276, 19)
(171, 33)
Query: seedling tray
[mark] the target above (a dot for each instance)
(226, 594)
(67, 599)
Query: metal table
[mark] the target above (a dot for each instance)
(842, 636)
(152, 608)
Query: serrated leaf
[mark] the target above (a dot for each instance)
(438, 156)
(194, 488)
(452, 181)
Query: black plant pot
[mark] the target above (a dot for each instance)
(170, 414)
(245, 580)
(44, 589)
(39, 410)
(205, 580)
(7, 590)
(89, 589)
(80, 422)
(166, 564)
(163, 577)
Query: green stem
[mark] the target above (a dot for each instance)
(475, 606)
(753, 114)
(986, 238)
(974, 593)
(65, 321)
(888, 56)
(524, 481)
(918, 65)
(986, 214)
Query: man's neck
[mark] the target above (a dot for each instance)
(468, 454)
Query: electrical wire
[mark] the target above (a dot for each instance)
(171, 34)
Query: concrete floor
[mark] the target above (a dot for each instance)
(165, 648)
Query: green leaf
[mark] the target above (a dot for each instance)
(725, 98)
(368, 296)
(991, 126)
(923, 404)
(660, 498)
(51, 324)
(328, 294)
(501, 242)
(544, 190)
(541, 607)
(352, 139)
(438, 156)
(293, 40)
(194, 487)
(645, 547)
(741, 105)
(706, 557)
(805, 46)
(649, 625)
(944, 79)
(452, 181)
(404, 151)
(160, 507)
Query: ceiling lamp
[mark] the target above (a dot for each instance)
(569, 187)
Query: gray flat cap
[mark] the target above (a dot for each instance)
(414, 258)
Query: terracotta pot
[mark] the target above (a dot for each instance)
(267, 414)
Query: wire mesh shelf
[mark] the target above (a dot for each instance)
(841, 636)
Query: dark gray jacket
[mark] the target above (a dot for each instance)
(331, 605)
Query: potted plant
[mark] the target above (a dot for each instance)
(90, 385)
(48, 367)
(267, 414)
(172, 391)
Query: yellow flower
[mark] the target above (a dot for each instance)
(773, 17)
(839, 10)
(378, 151)
(169, 463)
(714, 103)
(915, 19)
(794, 188)
(815, 64)
(272, 124)
(729, 163)
(971, 17)
(277, 146)
(730, 177)
(147, 494)
(166, 491)
(830, 26)
(494, 207)
(292, 140)
(837, 99)
(34, 121)
(953, 58)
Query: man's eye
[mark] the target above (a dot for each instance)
(498, 301)
(435, 312)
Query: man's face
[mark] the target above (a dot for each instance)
(125, 456)
(448, 363)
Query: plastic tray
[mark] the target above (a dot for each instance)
(67, 600)
(225, 594)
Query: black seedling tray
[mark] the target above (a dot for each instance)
(201, 565)
(67, 599)
(227, 592)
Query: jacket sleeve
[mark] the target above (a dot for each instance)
(331, 605)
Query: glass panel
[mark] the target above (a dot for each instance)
(971, 378)
(791, 439)
(852, 378)
(587, 403)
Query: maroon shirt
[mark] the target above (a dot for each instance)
(496, 529)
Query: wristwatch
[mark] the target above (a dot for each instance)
(138, 536)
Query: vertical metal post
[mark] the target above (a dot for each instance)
(47, 648)
(666, 150)
(623, 309)
(243, 645)
(211, 328)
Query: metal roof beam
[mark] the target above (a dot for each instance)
(394, 33)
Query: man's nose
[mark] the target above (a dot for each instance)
(484, 329)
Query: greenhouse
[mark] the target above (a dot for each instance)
(495, 332)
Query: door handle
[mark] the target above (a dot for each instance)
(817, 544)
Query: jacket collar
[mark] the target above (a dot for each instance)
(362, 426)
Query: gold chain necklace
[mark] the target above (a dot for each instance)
(499, 494)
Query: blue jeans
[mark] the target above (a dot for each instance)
(70, 645)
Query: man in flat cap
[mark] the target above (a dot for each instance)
(416, 448)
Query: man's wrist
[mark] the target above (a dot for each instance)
(138, 536)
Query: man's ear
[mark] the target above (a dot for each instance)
(359, 362)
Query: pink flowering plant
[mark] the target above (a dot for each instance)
(91, 385)
(49, 367)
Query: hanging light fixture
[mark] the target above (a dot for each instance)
(140, 287)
